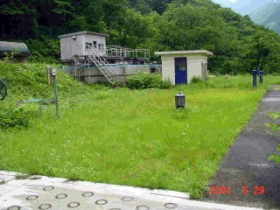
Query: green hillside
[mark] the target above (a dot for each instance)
(238, 44)
(26, 82)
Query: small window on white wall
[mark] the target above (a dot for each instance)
(88, 45)
(94, 44)
(101, 46)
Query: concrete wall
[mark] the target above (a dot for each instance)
(195, 66)
(168, 69)
(70, 47)
(92, 74)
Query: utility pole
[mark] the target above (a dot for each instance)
(258, 61)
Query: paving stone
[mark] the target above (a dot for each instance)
(19, 182)
(5, 188)
(56, 194)
(45, 180)
(5, 178)
(10, 173)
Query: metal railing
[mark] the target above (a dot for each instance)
(118, 51)
(102, 64)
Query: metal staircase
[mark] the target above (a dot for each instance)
(102, 64)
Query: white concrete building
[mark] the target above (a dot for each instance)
(81, 43)
(179, 67)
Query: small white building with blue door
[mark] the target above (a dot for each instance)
(179, 67)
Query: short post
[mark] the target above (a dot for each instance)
(49, 68)
(55, 92)
(261, 73)
(180, 100)
(255, 73)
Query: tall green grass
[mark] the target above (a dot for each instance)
(136, 137)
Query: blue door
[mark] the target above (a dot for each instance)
(181, 71)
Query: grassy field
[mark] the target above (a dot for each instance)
(136, 137)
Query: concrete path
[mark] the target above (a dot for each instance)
(22, 192)
(245, 168)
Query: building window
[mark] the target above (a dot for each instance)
(88, 45)
(95, 44)
(181, 64)
(101, 46)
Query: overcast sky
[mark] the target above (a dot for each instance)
(244, 7)
(226, 2)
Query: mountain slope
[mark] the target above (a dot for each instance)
(244, 7)
(247, 7)
(268, 16)
(238, 44)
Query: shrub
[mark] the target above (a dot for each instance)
(19, 116)
(165, 85)
(13, 118)
(196, 80)
(143, 80)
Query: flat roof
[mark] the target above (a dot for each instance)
(185, 52)
(81, 33)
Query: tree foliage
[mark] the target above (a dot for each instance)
(238, 44)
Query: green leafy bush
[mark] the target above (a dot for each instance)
(196, 80)
(9, 57)
(43, 50)
(19, 116)
(165, 85)
(274, 127)
(13, 118)
(143, 80)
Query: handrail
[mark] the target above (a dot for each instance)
(102, 64)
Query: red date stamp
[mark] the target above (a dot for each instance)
(220, 190)
(257, 190)
(245, 190)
